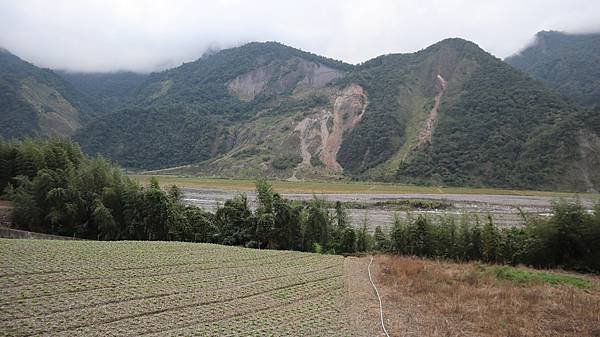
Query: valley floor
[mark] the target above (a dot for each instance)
(505, 206)
(504, 209)
(91, 288)
(339, 186)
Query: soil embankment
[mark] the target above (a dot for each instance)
(10, 233)
(5, 213)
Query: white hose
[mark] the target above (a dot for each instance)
(378, 297)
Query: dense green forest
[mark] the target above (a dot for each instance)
(568, 63)
(151, 138)
(393, 84)
(506, 131)
(58, 190)
(105, 92)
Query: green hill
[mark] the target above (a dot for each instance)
(406, 93)
(196, 112)
(449, 114)
(500, 128)
(452, 114)
(35, 101)
(568, 63)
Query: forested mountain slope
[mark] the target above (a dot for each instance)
(453, 114)
(105, 92)
(497, 127)
(35, 101)
(568, 63)
(210, 107)
(450, 114)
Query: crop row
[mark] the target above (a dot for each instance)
(51, 288)
(164, 320)
(163, 288)
(124, 279)
(83, 258)
(318, 315)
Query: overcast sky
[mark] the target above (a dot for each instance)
(109, 35)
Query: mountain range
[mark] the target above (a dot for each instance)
(450, 114)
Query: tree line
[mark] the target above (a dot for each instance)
(58, 190)
(568, 239)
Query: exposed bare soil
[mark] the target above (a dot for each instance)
(348, 110)
(55, 113)
(361, 303)
(268, 78)
(321, 133)
(424, 135)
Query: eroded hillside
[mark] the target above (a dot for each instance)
(35, 101)
(450, 114)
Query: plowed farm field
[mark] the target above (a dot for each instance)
(85, 288)
(135, 288)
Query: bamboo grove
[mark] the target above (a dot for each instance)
(58, 190)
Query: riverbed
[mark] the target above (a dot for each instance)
(505, 210)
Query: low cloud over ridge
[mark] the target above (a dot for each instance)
(143, 36)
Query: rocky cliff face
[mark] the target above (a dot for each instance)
(276, 78)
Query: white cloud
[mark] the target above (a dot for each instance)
(107, 35)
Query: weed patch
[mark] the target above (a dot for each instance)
(523, 276)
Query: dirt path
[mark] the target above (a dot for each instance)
(361, 302)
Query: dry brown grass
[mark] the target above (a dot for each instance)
(431, 298)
